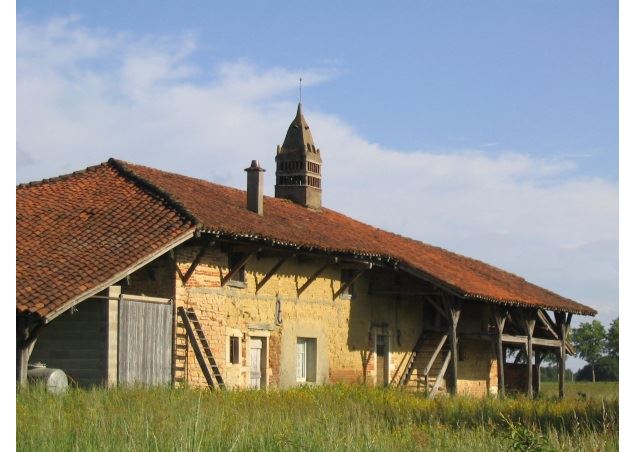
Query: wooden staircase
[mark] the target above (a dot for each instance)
(425, 370)
(202, 350)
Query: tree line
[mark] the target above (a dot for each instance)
(598, 346)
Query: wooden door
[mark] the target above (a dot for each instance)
(145, 341)
(381, 352)
(255, 360)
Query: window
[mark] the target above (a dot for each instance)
(306, 359)
(234, 349)
(346, 276)
(233, 260)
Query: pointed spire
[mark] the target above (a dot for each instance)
(298, 165)
(299, 135)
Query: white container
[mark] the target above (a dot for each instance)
(55, 380)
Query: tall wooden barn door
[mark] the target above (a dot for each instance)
(145, 340)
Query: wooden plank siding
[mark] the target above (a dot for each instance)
(76, 342)
(145, 342)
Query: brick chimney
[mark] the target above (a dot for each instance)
(255, 184)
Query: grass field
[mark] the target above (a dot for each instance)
(581, 389)
(320, 418)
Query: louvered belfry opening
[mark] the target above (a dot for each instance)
(299, 166)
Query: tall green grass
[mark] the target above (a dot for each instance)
(320, 418)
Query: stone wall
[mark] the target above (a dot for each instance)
(153, 280)
(477, 368)
(345, 329)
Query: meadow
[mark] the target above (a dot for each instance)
(333, 417)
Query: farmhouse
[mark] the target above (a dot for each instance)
(129, 274)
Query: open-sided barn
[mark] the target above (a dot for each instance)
(131, 274)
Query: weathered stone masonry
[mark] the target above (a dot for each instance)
(344, 328)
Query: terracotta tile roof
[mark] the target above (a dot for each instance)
(221, 210)
(76, 232)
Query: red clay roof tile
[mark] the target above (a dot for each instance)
(75, 232)
(222, 210)
(70, 239)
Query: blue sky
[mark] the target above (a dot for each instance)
(489, 128)
(537, 77)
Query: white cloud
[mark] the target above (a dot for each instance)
(84, 95)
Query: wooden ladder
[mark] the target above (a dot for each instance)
(410, 365)
(201, 347)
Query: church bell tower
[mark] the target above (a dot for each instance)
(299, 166)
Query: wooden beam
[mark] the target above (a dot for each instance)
(436, 306)
(185, 277)
(453, 311)
(426, 371)
(26, 335)
(563, 322)
(499, 319)
(553, 329)
(546, 321)
(439, 377)
(522, 340)
(560, 318)
(513, 322)
(314, 276)
(240, 264)
(529, 323)
(347, 284)
(539, 357)
(260, 284)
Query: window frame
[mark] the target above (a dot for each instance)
(234, 349)
(346, 274)
(306, 360)
(239, 278)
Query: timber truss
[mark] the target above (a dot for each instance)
(533, 331)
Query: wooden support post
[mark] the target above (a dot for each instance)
(529, 323)
(553, 330)
(539, 357)
(453, 311)
(232, 271)
(112, 343)
(499, 318)
(314, 276)
(347, 284)
(563, 322)
(26, 335)
(271, 272)
(22, 356)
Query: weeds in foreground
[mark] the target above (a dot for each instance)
(526, 440)
(336, 417)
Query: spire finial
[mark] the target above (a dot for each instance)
(300, 89)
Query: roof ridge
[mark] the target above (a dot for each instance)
(127, 172)
(61, 177)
